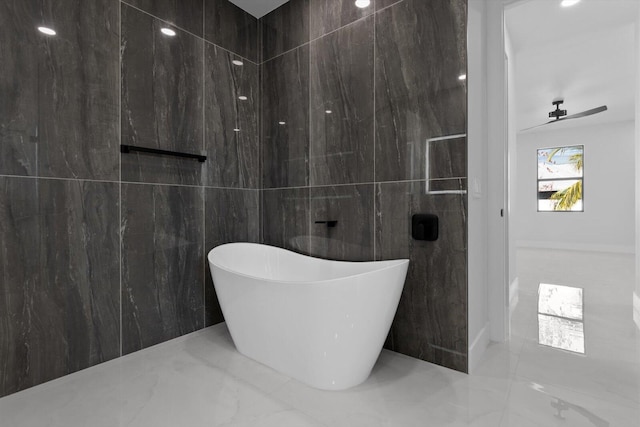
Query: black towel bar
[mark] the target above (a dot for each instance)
(129, 148)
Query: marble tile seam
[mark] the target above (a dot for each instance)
(375, 126)
(120, 232)
(204, 147)
(58, 178)
(371, 15)
(364, 183)
(160, 184)
(187, 31)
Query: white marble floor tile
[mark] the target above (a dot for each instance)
(201, 380)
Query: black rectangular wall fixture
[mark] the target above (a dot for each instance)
(424, 227)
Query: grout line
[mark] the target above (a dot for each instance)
(120, 232)
(59, 179)
(262, 60)
(309, 160)
(167, 184)
(231, 52)
(375, 213)
(186, 31)
(164, 184)
(206, 177)
(161, 184)
(363, 183)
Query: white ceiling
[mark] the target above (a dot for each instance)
(585, 54)
(258, 8)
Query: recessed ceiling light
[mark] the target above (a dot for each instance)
(363, 3)
(328, 111)
(282, 123)
(242, 98)
(462, 77)
(48, 31)
(168, 32)
(567, 3)
(237, 62)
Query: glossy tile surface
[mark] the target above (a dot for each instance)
(431, 321)
(285, 28)
(352, 237)
(329, 15)
(232, 28)
(185, 14)
(230, 216)
(341, 100)
(231, 120)
(162, 87)
(285, 219)
(420, 52)
(381, 4)
(285, 120)
(59, 109)
(60, 279)
(162, 263)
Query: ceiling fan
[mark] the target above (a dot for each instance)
(560, 115)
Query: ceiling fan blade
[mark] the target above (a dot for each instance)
(572, 116)
(536, 126)
(586, 113)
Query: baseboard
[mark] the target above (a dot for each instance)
(478, 347)
(636, 309)
(587, 247)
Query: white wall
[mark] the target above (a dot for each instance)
(477, 161)
(608, 220)
(636, 294)
(512, 167)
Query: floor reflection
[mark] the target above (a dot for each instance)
(562, 407)
(561, 317)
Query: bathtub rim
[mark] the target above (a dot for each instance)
(393, 263)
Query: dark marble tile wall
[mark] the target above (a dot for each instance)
(162, 263)
(231, 216)
(420, 52)
(379, 87)
(185, 14)
(231, 109)
(352, 237)
(59, 297)
(285, 218)
(341, 106)
(162, 93)
(381, 4)
(285, 28)
(59, 108)
(232, 28)
(329, 15)
(64, 250)
(285, 120)
(432, 316)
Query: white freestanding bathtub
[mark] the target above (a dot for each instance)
(321, 322)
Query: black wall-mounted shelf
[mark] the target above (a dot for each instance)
(129, 148)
